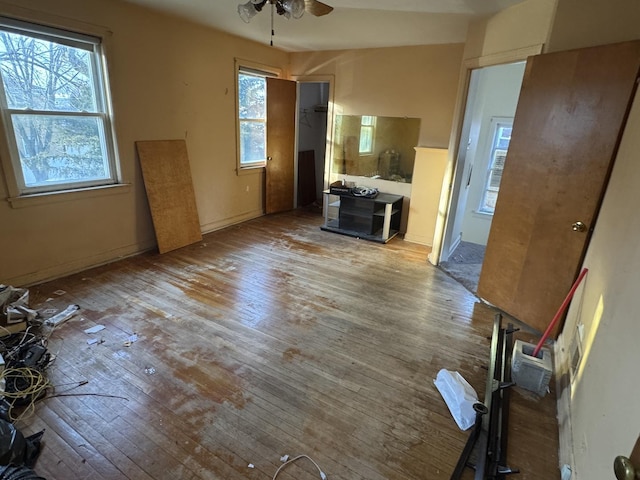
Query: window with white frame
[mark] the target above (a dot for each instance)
(500, 144)
(367, 133)
(252, 115)
(55, 108)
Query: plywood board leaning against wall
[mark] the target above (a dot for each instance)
(167, 179)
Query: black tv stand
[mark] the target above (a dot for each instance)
(376, 219)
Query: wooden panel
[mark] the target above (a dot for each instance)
(281, 127)
(306, 177)
(271, 338)
(167, 179)
(566, 131)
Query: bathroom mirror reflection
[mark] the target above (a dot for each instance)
(375, 147)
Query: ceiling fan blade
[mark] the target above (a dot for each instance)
(314, 7)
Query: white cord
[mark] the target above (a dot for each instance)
(323, 476)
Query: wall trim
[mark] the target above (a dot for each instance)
(509, 56)
(328, 150)
(230, 221)
(80, 265)
(104, 258)
(419, 239)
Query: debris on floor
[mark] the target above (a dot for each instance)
(459, 397)
(14, 310)
(24, 358)
(131, 340)
(94, 329)
(15, 448)
(288, 462)
(63, 316)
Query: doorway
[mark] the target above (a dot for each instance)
(313, 115)
(491, 104)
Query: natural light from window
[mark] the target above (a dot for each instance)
(55, 109)
(252, 117)
(498, 155)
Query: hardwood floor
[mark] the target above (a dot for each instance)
(270, 338)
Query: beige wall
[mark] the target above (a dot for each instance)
(581, 24)
(416, 82)
(605, 420)
(170, 79)
(523, 25)
(426, 188)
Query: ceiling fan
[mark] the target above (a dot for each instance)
(286, 8)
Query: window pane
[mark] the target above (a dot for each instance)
(60, 148)
(43, 75)
(504, 136)
(490, 200)
(494, 179)
(499, 156)
(252, 93)
(367, 120)
(366, 139)
(252, 142)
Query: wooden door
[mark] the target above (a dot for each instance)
(281, 123)
(568, 123)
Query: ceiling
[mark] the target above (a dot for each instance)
(352, 24)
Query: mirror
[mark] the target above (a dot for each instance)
(375, 147)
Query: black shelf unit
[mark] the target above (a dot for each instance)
(376, 219)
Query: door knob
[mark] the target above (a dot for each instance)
(578, 227)
(624, 469)
(269, 159)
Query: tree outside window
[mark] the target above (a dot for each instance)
(252, 115)
(54, 108)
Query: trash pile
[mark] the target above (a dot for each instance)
(24, 359)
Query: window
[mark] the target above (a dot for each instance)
(367, 132)
(498, 154)
(54, 107)
(252, 114)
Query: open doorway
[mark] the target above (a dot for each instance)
(486, 131)
(313, 106)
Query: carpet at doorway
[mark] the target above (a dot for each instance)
(465, 264)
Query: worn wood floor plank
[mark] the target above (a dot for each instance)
(267, 338)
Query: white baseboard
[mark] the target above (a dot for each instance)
(227, 222)
(103, 258)
(419, 239)
(78, 265)
(453, 246)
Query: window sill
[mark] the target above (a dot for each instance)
(481, 214)
(47, 198)
(251, 170)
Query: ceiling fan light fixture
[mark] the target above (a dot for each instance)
(247, 11)
(294, 7)
(282, 10)
(258, 4)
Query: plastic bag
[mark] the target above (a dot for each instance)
(459, 397)
(14, 303)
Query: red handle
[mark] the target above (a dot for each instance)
(560, 311)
